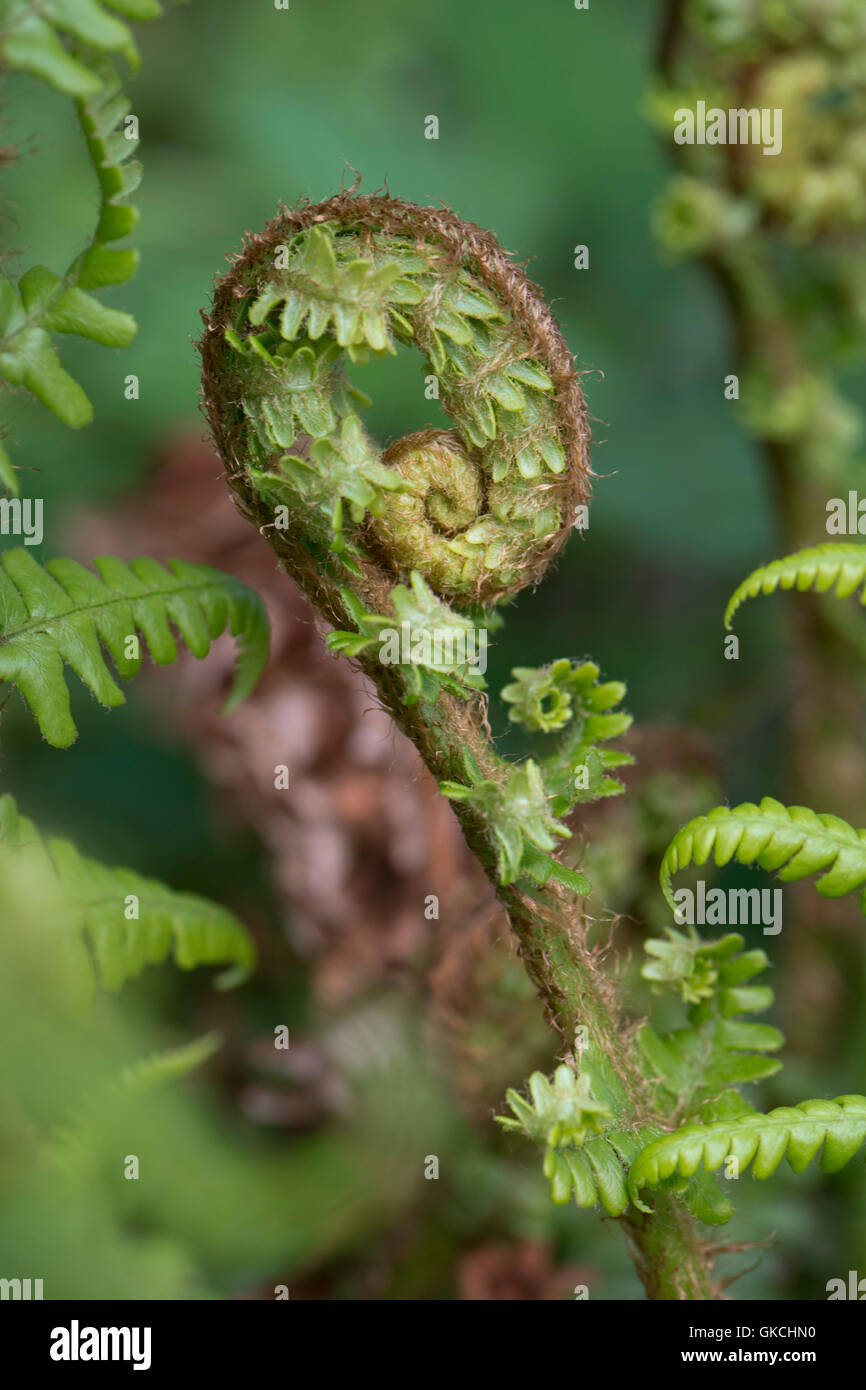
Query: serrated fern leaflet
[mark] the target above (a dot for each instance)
(790, 840)
(841, 568)
(838, 1127)
(126, 920)
(719, 1049)
(68, 44)
(61, 613)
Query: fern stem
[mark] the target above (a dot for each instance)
(671, 1264)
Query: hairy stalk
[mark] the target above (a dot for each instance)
(469, 516)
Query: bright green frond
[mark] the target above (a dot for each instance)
(838, 1127)
(820, 568)
(792, 841)
(62, 613)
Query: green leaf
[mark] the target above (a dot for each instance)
(563, 1111)
(692, 1065)
(29, 359)
(31, 44)
(88, 21)
(46, 303)
(171, 1063)
(819, 568)
(796, 1132)
(518, 817)
(126, 921)
(568, 698)
(103, 265)
(584, 1155)
(65, 309)
(790, 840)
(136, 9)
(433, 638)
(60, 613)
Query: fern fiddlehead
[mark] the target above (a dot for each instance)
(478, 510)
(434, 531)
(431, 535)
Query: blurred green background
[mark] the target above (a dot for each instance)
(543, 138)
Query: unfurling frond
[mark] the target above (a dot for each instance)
(719, 1049)
(170, 1063)
(584, 1151)
(819, 568)
(792, 841)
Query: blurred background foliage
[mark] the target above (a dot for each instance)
(306, 1168)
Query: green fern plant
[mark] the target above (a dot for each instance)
(835, 566)
(467, 517)
(73, 45)
(835, 1127)
(429, 539)
(110, 923)
(698, 1068)
(790, 840)
(107, 923)
(435, 536)
(781, 241)
(60, 613)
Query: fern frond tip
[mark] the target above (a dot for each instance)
(820, 568)
(837, 1127)
(793, 841)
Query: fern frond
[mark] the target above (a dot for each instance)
(44, 303)
(586, 1156)
(477, 509)
(171, 1063)
(127, 921)
(818, 568)
(28, 358)
(523, 810)
(37, 40)
(718, 1049)
(434, 647)
(61, 612)
(790, 840)
(32, 39)
(110, 149)
(796, 1132)
(569, 697)
(562, 1112)
(597, 1171)
(70, 1147)
(521, 824)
